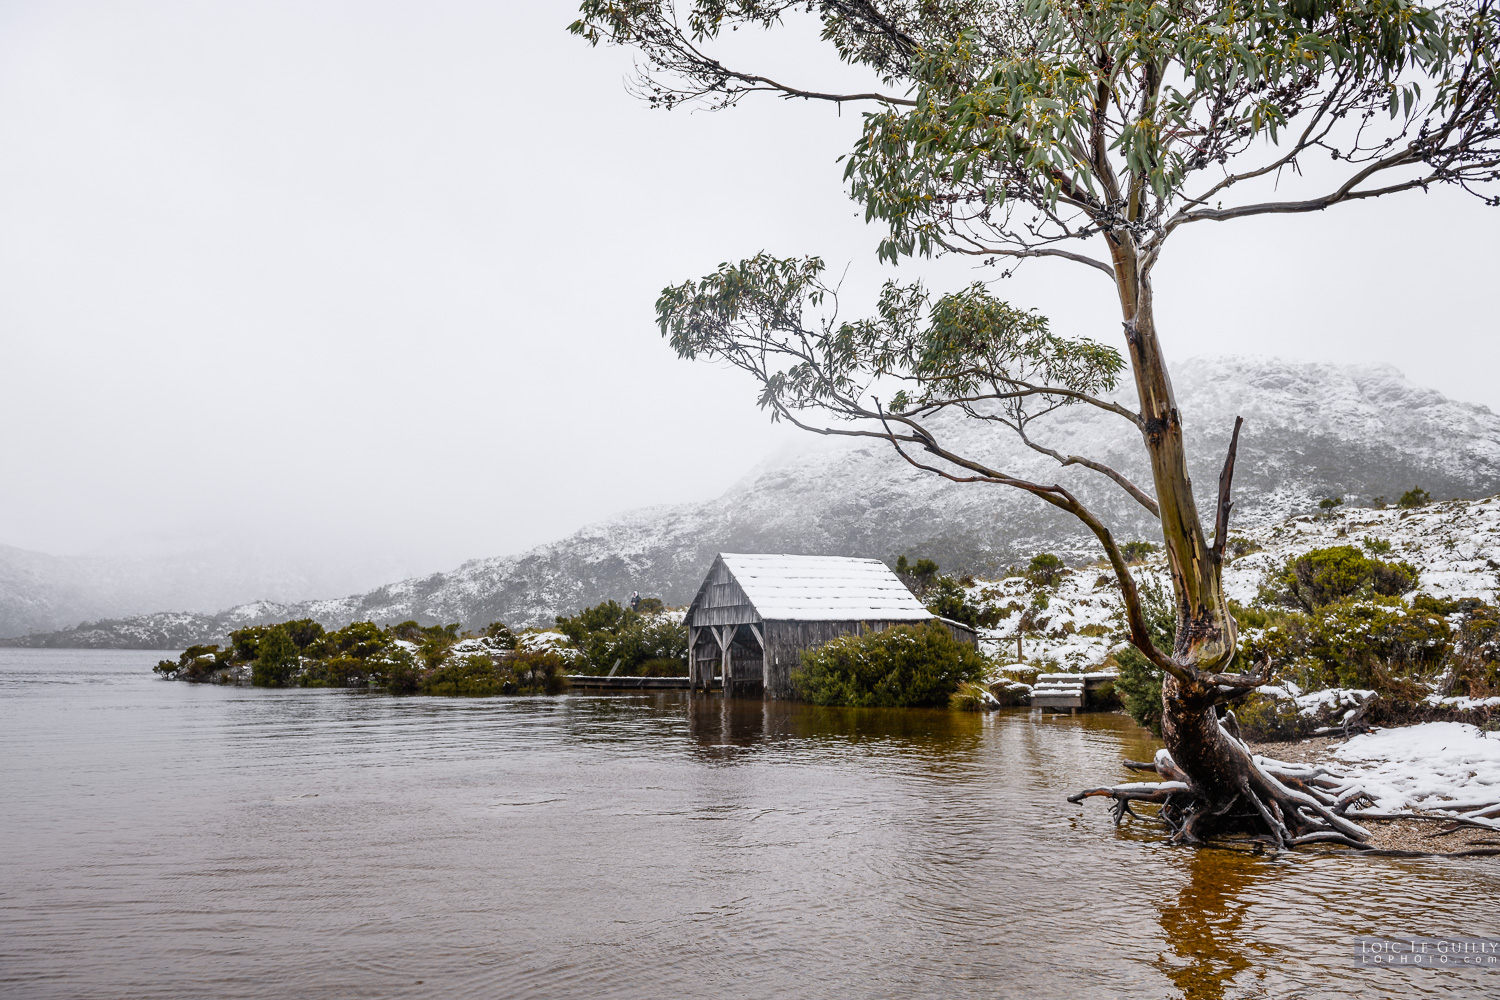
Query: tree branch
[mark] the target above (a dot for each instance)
(1140, 495)
(1221, 519)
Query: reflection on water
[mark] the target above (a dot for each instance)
(161, 840)
(1203, 924)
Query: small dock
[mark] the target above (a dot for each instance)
(1069, 691)
(601, 683)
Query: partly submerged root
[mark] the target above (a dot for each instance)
(1278, 804)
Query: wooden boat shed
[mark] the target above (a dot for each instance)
(755, 614)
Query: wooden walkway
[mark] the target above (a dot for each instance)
(628, 683)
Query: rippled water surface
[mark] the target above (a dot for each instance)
(167, 840)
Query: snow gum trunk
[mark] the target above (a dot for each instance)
(1205, 629)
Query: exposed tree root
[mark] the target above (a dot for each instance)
(1274, 803)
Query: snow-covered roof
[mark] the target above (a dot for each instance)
(823, 588)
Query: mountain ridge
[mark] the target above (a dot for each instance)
(1312, 429)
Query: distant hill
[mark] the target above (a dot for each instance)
(40, 592)
(1311, 431)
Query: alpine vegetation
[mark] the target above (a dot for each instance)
(1087, 133)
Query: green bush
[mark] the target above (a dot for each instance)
(1137, 551)
(539, 673)
(1266, 717)
(1139, 683)
(502, 633)
(304, 632)
(1045, 569)
(1323, 576)
(245, 642)
(899, 666)
(662, 667)
(1414, 498)
(276, 660)
(471, 677)
(607, 633)
(398, 672)
(196, 664)
(359, 640)
(1371, 642)
(1240, 546)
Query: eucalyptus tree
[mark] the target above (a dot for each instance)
(1087, 132)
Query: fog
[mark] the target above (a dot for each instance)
(377, 277)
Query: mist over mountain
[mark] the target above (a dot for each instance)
(198, 573)
(1311, 431)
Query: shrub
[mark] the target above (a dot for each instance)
(336, 671)
(660, 667)
(1139, 683)
(502, 633)
(970, 697)
(1240, 546)
(1376, 546)
(949, 598)
(1045, 570)
(360, 640)
(918, 576)
(1266, 717)
(899, 666)
(1414, 498)
(1329, 503)
(1323, 576)
(276, 659)
(470, 677)
(304, 632)
(1372, 642)
(196, 664)
(398, 672)
(245, 642)
(539, 673)
(607, 633)
(1137, 551)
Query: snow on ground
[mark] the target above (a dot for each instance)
(1449, 766)
(1325, 702)
(549, 641)
(482, 645)
(1455, 546)
(1076, 630)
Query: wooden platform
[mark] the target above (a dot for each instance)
(628, 683)
(1070, 691)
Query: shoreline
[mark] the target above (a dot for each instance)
(1424, 831)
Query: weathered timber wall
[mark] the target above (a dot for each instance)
(721, 601)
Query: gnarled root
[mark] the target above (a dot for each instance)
(1277, 803)
(1284, 805)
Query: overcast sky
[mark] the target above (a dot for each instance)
(382, 273)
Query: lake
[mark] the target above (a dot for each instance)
(162, 840)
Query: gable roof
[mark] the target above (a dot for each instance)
(823, 588)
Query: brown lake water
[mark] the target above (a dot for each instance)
(175, 841)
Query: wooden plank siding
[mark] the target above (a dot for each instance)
(761, 654)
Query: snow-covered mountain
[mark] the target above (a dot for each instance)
(1311, 431)
(200, 573)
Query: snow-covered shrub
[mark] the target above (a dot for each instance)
(481, 676)
(609, 634)
(1323, 576)
(552, 642)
